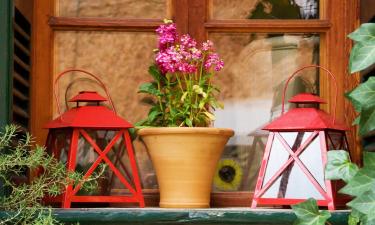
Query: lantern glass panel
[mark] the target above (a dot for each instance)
(87, 156)
(58, 143)
(336, 140)
(293, 183)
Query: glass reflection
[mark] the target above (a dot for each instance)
(265, 9)
(257, 66)
(155, 9)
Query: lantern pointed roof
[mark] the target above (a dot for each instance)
(305, 119)
(96, 117)
(88, 96)
(306, 98)
(89, 116)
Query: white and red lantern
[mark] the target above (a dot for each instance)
(292, 169)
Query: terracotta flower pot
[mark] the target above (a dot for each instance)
(185, 161)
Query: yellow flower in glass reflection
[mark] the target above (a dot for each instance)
(228, 175)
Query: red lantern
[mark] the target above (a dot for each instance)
(292, 169)
(94, 130)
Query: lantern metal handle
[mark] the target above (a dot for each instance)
(55, 87)
(305, 67)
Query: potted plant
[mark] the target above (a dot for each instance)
(183, 148)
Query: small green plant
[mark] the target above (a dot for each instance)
(23, 202)
(308, 213)
(182, 91)
(360, 182)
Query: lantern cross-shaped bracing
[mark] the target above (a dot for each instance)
(96, 134)
(292, 169)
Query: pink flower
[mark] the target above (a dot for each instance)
(207, 45)
(182, 55)
(167, 35)
(187, 41)
(213, 60)
(196, 53)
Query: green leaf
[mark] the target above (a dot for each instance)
(308, 213)
(364, 203)
(367, 120)
(153, 114)
(363, 181)
(368, 219)
(362, 56)
(154, 71)
(363, 95)
(369, 160)
(339, 166)
(354, 217)
(149, 88)
(356, 120)
(188, 122)
(366, 32)
(140, 123)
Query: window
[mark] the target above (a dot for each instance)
(262, 42)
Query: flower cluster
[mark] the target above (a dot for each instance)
(182, 92)
(181, 54)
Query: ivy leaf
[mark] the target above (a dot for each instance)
(362, 56)
(367, 120)
(363, 181)
(366, 32)
(149, 88)
(339, 166)
(354, 217)
(308, 213)
(363, 95)
(356, 120)
(364, 203)
(368, 220)
(369, 160)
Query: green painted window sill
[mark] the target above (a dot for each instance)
(94, 216)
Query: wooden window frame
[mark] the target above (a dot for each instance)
(334, 54)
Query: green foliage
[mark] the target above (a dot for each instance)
(23, 203)
(360, 183)
(180, 100)
(361, 57)
(363, 99)
(363, 52)
(339, 166)
(308, 213)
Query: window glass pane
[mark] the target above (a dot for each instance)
(264, 9)
(155, 9)
(256, 67)
(121, 61)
